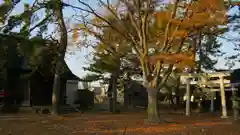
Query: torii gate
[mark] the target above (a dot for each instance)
(203, 81)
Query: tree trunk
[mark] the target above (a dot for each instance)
(177, 92)
(178, 100)
(109, 94)
(235, 104)
(153, 110)
(114, 93)
(60, 59)
(171, 100)
(56, 91)
(199, 106)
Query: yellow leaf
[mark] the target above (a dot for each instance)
(76, 31)
(75, 35)
(80, 26)
(178, 59)
(162, 18)
(180, 33)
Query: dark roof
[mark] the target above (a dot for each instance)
(221, 70)
(68, 75)
(19, 70)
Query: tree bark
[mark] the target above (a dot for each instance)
(109, 94)
(114, 94)
(212, 108)
(171, 103)
(235, 104)
(200, 109)
(178, 100)
(60, 59)
(153, 109)
(177, 92)
(56, 92)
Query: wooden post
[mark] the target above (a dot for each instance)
(223, 100)
(188, 99)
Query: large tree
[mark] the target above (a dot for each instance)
(171, 44)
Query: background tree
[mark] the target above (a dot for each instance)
(232, 35)
(232, 59)
(108, 56)
(102, 66)
(208, 51)
(30, 20)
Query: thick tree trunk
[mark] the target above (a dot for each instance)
(60, 59)
(199, 106)
(109, 94)
(153, 110)
(177, 92)
(171, 100)
(56, 90)
(235, 104)
(178, 99)
(114, 93)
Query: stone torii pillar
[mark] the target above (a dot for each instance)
(187, 77)
(206, 82)
(188, 97)
(223, 100)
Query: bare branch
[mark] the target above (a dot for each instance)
(107, 6)
(173, 14)
(91, 11)
(40, 23)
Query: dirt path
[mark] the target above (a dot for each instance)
(109, 124)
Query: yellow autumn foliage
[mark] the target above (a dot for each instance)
(161, 19)
(180, 33)
(201, 15)
(77, 28)
(180, 60)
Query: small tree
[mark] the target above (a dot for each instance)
(108, 56)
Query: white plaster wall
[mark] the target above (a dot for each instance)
(71, 90)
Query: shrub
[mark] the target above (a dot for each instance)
(85, 99)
